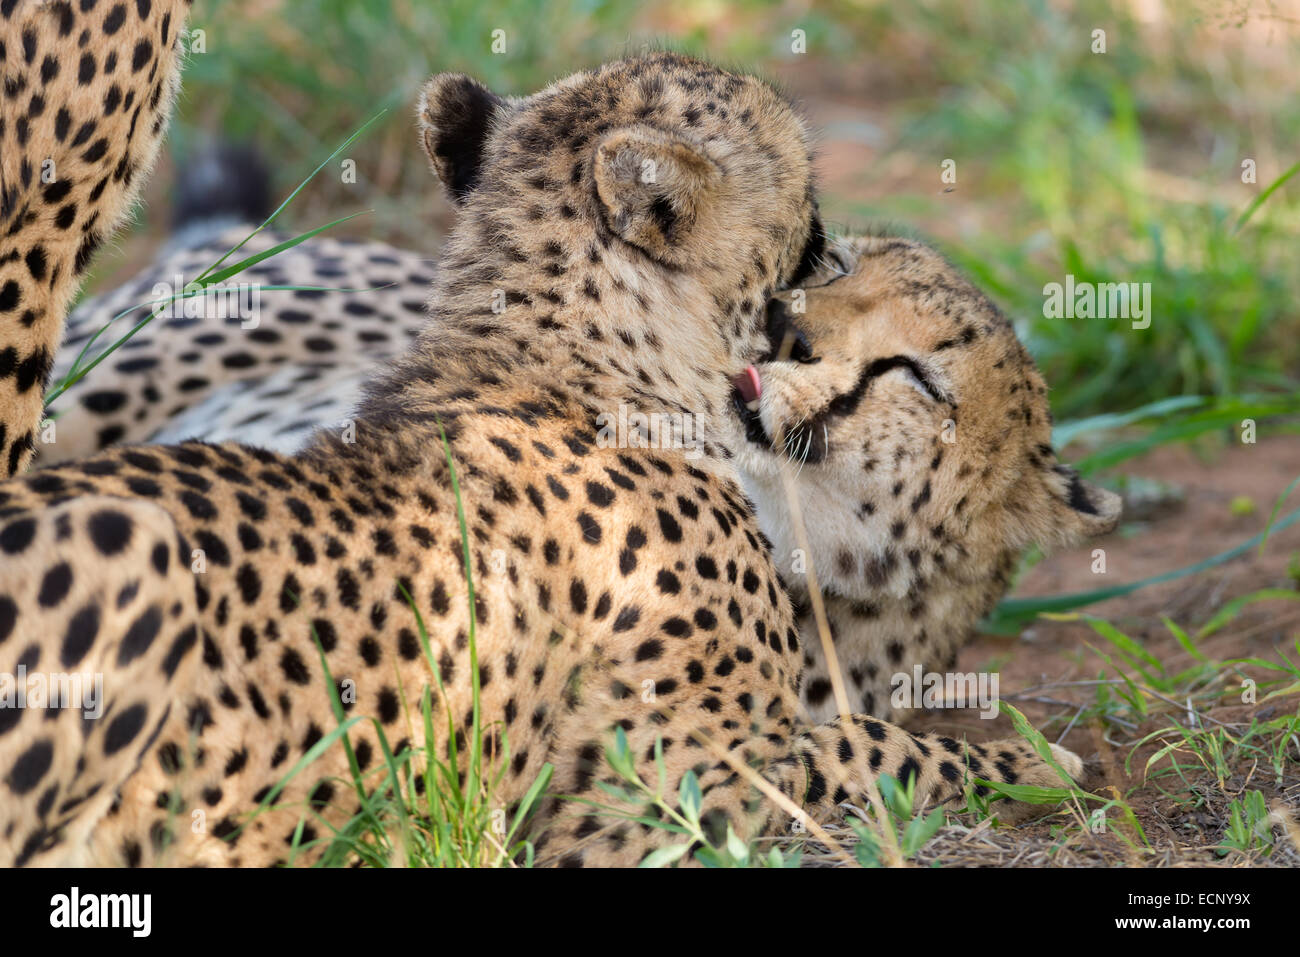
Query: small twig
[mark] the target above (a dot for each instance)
(1082, 709)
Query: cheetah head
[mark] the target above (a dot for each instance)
(658, 180)
(914, 423)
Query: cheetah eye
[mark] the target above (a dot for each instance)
(847, 403)
(922, 380)
(838, 262)
(786, 340)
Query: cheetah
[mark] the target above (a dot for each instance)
(622, 565)
(610, 306)
(919, 432)
(88, 90)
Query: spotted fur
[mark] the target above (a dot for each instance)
(269, 380)
(87, 90)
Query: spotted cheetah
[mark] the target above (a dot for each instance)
(606, 301)
(87, 93)
(920, 434)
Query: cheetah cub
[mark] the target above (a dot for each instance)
(918, 433)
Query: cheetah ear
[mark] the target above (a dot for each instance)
(455, 114)
(652, 187)
(1078, 510)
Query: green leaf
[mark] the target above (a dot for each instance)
(1168, 748)
(688, 795)
(1135, 652)
(737, 848)
(1184, 640)
(1230, 610)
(1066, 432)
(665, 856)
(530, 798)
(275, 250)
(920, 829)
(1259, 200)
(1029, 793)
(1036, 741)
(1013, 613)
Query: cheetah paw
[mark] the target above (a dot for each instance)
(1070, 762)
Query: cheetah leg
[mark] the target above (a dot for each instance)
(76, 139)
(821, 768)
(834, 762)
(97, 606)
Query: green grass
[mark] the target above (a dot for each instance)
(425, 807)
(211, 277)
(1164, 721)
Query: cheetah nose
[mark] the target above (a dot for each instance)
(750, 387)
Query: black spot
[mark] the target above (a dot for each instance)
(236, 762)
(668, 583)
(668, 525)
(578, 596)
(17, 535)
(599, 494)
(30, 767)
(818, 690)
(8, 616)
(908, 769)
(110, 530)
(294, 669)
(124, 728)
(141, 55)
(388, 706)
(80, 635)
(140, 635)
(55, 585)
(627, 618)
(590, 528)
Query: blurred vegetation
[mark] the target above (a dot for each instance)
(1123, 166)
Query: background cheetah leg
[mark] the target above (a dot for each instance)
(76, 142)
(97, 604)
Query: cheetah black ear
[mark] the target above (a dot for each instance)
(1079, 509)
(653, 187)
(455, 115)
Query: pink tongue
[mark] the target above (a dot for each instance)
(748, 384)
